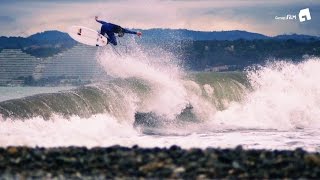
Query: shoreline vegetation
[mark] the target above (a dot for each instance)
(173, 162)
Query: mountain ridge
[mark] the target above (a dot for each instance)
(54, 36)
(48, 43)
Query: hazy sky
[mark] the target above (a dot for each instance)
(25, 17)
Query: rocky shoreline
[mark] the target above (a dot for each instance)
(173, 162)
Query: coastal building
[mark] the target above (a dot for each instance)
(15, 65)
(77, 64)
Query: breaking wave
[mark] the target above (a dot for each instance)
(149, 93)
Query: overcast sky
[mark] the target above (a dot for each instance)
(25, 17)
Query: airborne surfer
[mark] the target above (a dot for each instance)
(110, 29)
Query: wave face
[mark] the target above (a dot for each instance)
(83, 102)
(123, 97)
(150, 94)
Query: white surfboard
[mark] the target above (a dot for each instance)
(87, 36)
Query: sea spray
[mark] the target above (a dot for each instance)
(284, 96)
(160, 69)
(98, 130)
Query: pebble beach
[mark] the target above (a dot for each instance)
(173, 163)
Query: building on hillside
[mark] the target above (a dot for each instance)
(15, 65)
(76, 65)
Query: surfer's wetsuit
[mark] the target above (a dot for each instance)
(110, 29)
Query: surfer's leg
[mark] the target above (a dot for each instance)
(112, 38)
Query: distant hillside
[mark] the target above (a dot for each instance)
(151, 35)
(297, 37)
(42, 44)
(49, 43)
(184, 34)
(51, 37)
(200, 55)
(14, 42)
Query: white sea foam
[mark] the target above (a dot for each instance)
(285, 96)
(162, 72)
(105, 130)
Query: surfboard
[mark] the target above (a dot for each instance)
(87, 36)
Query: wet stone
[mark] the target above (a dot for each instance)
(174, 162)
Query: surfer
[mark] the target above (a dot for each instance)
(110, 29)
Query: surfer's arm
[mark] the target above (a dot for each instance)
(101, 22)
(131, 32)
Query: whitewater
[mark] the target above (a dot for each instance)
(150, 100)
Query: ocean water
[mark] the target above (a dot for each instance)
(7, 93)
(152, 101)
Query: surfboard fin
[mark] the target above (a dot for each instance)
(79, 32)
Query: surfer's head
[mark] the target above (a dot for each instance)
(119, 31)
(121, 34)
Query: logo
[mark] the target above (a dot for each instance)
(287, 17)
(304, 15)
